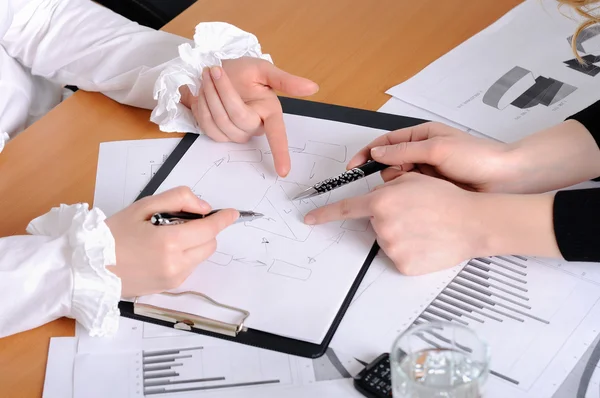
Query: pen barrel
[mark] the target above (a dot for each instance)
(335, 182)
(182, 215)
(372, 167)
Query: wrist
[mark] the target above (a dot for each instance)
(512, 224)
(551, 159)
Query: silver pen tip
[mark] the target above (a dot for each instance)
(307, 193)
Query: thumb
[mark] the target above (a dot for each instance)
(404, 153)
(287, 83)
(175, 199)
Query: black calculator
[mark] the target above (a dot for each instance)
(375, 380)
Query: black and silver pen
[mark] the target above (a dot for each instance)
(356, 173)
(182, 217)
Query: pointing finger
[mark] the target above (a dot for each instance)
(355, 207)
(270, 111)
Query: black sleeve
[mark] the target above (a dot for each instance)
(576, 213)
(577, 224)
(590, 118)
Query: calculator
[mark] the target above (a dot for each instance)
(375, 380)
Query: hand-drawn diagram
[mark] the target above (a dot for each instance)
(331, 241)
(289, 270)
(221, 259)
(519, 88)
(241, 177)
(143, 162)
(326, 150)
(591, 35)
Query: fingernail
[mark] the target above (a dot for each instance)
(310, 220)
(215, 71)
(378, 151)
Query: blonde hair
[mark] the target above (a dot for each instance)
(586, 9)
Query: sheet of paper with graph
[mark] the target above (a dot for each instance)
(290, 276)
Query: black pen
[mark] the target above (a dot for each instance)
(346, 177)
(182, 217)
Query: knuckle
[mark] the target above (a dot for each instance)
(379, 204)
(238, 116)
(204, 118)
(211, 246)
(170, 273)
(436, 149)
(400, 149)
(386, 232)
(169, 245)
(222, 120)
(344, 208)
(186, 193)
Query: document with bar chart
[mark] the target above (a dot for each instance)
(144, 359)
(539, 316)
(173, 366)
(508, 91)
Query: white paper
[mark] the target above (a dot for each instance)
(175, 364)
(386, 304)
(342, 388)
(125, 168)
(58, 382)
(290, 276)
(487, 83)
(118, 354)
(397, 106)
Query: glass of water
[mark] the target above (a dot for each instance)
(439, 360)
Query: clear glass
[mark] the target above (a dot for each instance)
(439, 360)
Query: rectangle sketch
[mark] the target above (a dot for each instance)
(245, 155)
(335, 152)
(289, 270)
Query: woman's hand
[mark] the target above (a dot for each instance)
(152, 259)
(426, 224)
(238, 101)
(551, 159)
(435, 149)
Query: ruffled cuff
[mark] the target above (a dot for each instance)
(3, 140)
(96, 290)
(213, 42)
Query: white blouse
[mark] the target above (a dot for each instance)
(59, 269)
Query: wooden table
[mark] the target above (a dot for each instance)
(354, 49)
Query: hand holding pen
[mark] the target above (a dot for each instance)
(151, 259)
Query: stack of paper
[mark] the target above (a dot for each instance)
(514, 78)
(148, 360)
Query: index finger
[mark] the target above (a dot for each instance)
(198, 232)
(277, 138)
(419, 132)
(355, 207)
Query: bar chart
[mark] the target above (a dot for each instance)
(164, 370)
(523, 307)
(182, 366)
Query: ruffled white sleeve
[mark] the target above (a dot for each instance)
(213, 43)
(60, 270)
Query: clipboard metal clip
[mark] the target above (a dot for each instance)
(186, 321)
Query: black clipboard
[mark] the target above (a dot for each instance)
(237, 332)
